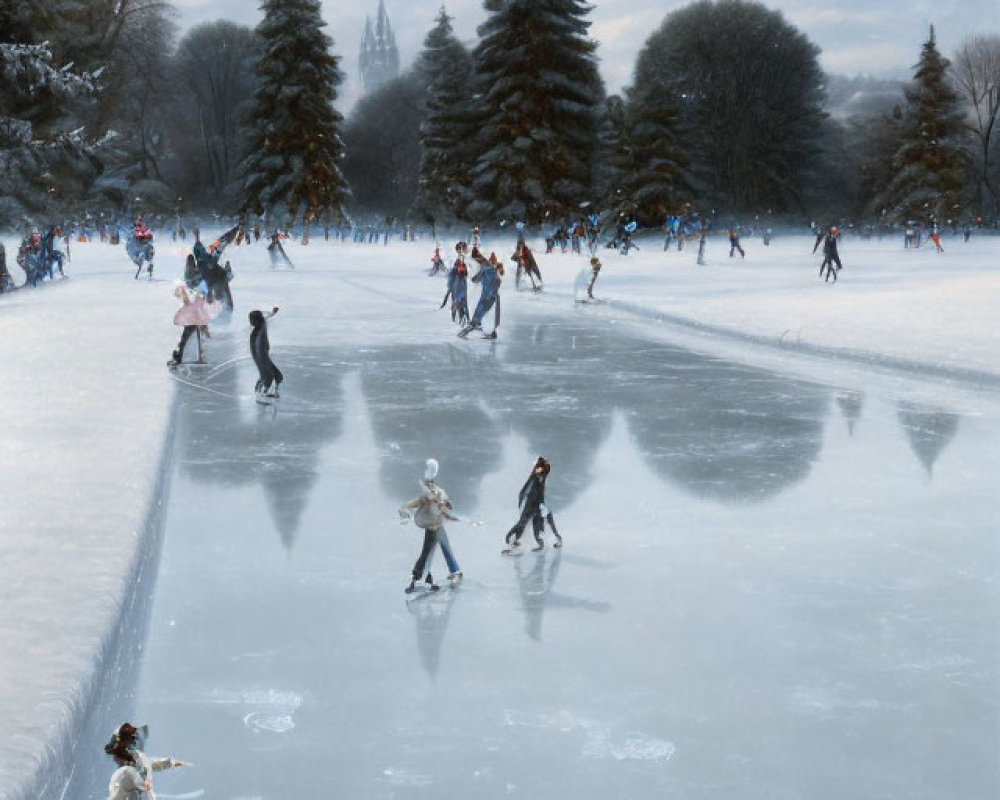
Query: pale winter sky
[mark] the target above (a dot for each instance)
(873, 37)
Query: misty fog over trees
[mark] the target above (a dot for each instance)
(106, 109)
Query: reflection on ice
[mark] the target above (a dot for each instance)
(718, 430)
(430, 611)
(536, 578)
(928, 431)
(276, 447)
(850, 404)
(425, 403)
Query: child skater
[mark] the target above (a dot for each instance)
(260, 349)
(532, 501)
(193, 316)
(134, 777)
(429, 510)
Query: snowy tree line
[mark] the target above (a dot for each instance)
(728, 109)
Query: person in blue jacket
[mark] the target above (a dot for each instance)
(489, 278)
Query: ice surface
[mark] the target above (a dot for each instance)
(779, 577)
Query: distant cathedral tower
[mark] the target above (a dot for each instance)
(379, 55)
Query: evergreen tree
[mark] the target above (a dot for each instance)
(541, 96)
(382, 146)
(447, 132)
(616, 160)
(742, 92)
(654, 180)
(293, 167)
(929, 164)
(36, 144)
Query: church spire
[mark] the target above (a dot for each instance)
(379, 54)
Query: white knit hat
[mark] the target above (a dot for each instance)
(430, 469)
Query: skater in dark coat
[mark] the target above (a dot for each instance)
(830, 256)
(260, 349)
(532, 501)
(734, 243)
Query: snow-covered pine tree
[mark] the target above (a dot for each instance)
(654, 177)
(293, 167)
(615, 161)
(31, 136)
(541, 98)
(929, 164)
(446, 136)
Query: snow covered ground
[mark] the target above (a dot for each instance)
(90, 406)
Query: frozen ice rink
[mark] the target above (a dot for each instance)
(775, 583)
(779, 578)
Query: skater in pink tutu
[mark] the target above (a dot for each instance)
(194, 316)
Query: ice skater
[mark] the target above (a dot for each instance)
(194, 316)
(277, 252)
(428, 511)
(437, 263)
(458, 290)
(595, 270)
(140, 248)
(489, 277)
(531, 498)
(830, 255)
(734, 243)
(935, 238)
(133, 780)
(526, 265)
(260, 349)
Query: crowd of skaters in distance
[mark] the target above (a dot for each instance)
(44, 251)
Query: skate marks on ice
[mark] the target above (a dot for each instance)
(596, 740)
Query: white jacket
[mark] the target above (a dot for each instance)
(431, 508)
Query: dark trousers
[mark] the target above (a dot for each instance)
(537, 526)
(430, 540)
(828, 262)
(269, 374)
(189, 331)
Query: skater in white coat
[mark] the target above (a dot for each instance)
(428, 511)
(133, 780)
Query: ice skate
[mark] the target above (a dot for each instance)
(512, 549)
(429, 580)
(455, 577)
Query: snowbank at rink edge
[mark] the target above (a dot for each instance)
(84, 467)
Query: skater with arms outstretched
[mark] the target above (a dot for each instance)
(428, 511)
